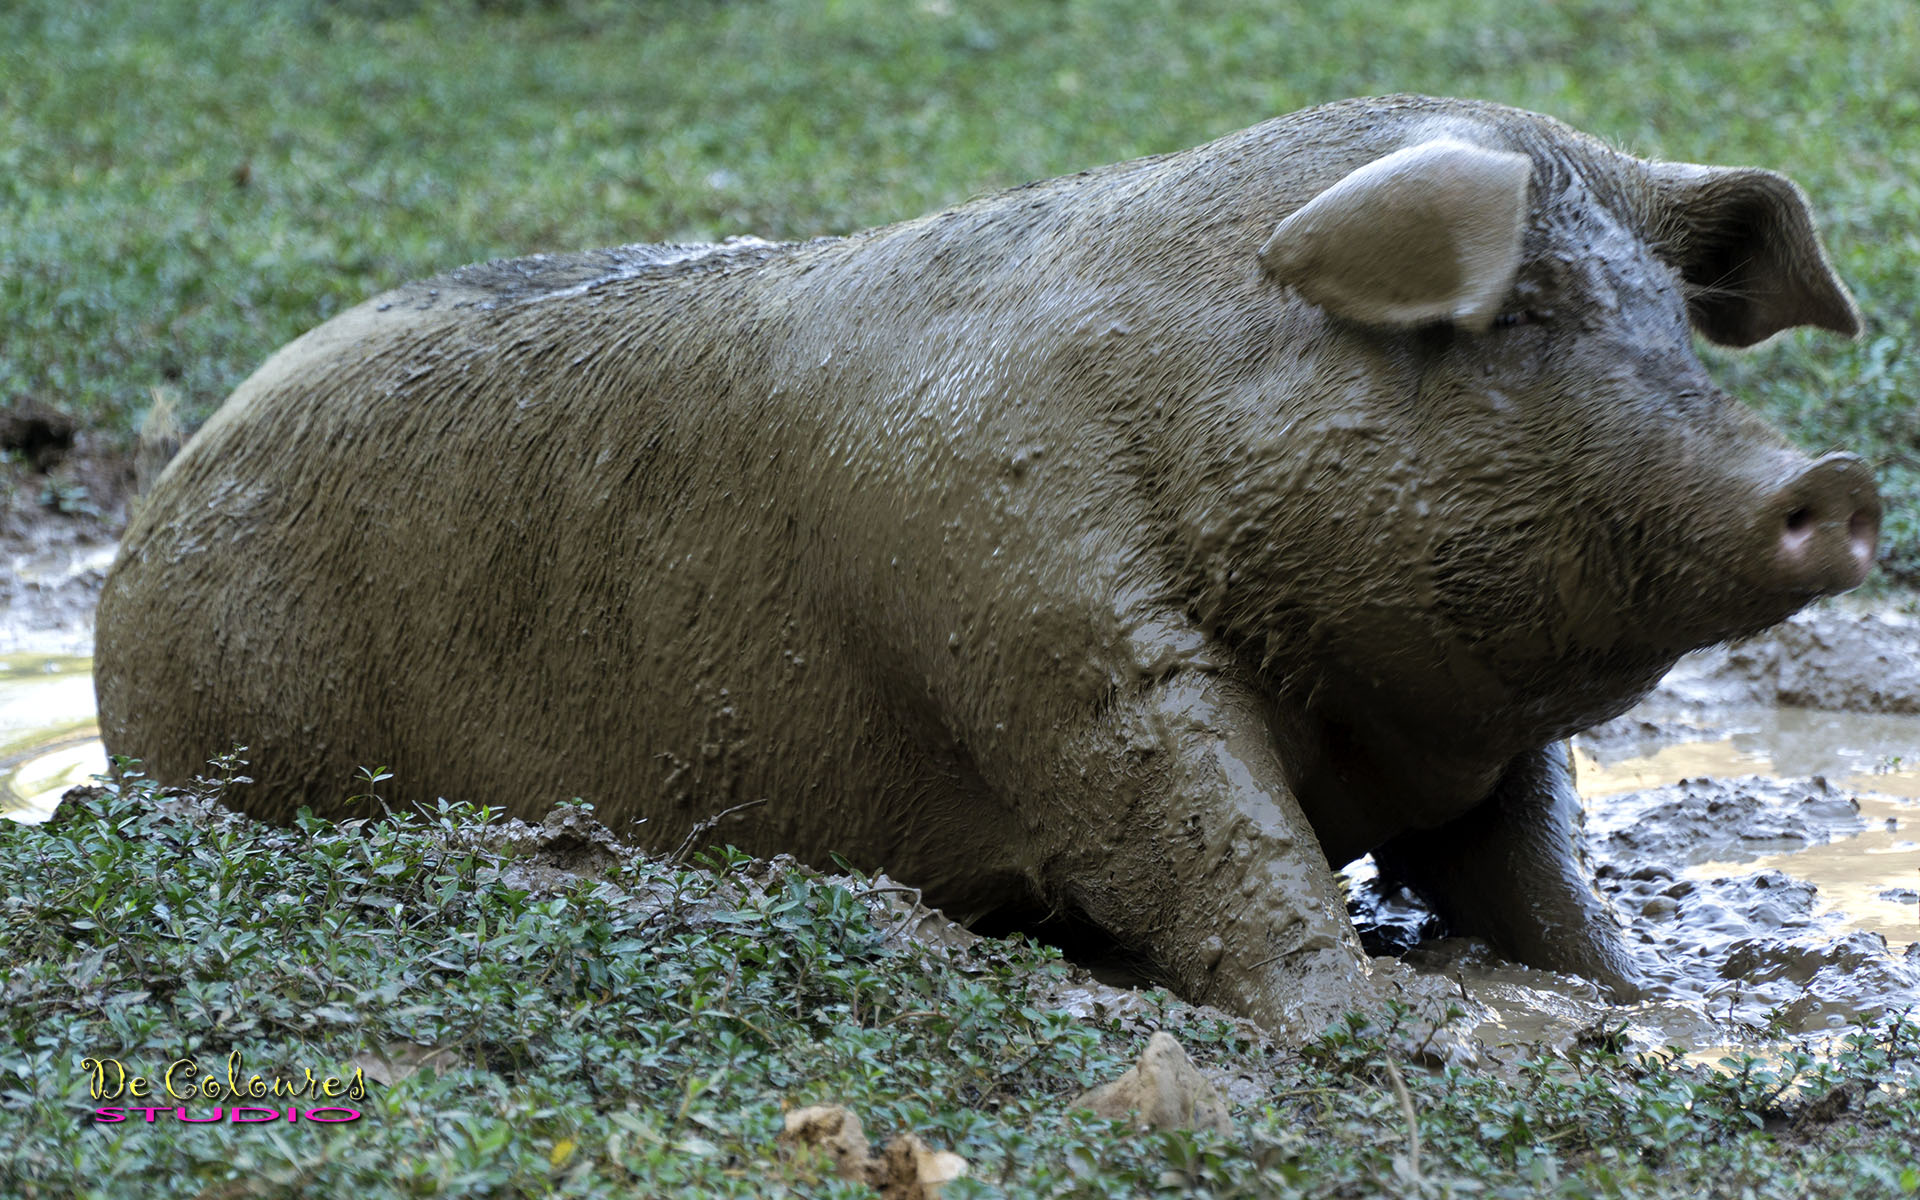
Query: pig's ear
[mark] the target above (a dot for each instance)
(1428, 233)
(1744, 243)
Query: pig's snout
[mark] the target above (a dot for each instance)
(1826, 525)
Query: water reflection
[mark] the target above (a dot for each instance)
(1868, 877)
(49, 741)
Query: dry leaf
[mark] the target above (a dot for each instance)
(910, 1171)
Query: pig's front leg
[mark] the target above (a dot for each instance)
(1512, 871)
(1200, 856)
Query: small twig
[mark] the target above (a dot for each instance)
(1290, 1093)
(902, 888)
(1413, 1123)
(734, 1016)
(702, 828)
(913, 908)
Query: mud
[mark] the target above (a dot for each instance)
(56, 561)
(48, 739)
(1766, 857)
(52, 566)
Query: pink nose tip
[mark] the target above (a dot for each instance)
(1829, 526)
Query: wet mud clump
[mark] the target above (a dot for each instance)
(1863, 661)
(1747, 942)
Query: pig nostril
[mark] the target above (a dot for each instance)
(1825, 525)
(1863, 533)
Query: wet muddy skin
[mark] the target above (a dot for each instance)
(1765, 857)
(1132, 544)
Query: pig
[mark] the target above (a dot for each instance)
(1133, 548)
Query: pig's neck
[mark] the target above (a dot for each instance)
(1367, 764)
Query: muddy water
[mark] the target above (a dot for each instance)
(1770, 867)
(1856, 836)
(1765, 860)
(48, 739)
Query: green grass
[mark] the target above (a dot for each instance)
(387, 139)
(186, 186)
(640, 1030)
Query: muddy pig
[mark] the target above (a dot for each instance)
(1135, 547)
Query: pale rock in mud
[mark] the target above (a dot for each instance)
(1163, 1090)
(906, 1170)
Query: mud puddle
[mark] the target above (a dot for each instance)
(48, 590)
(1770, 874)
(51, 572)
(1844, 817)
(48, 739)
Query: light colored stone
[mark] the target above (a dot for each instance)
(1164, 1090)
(907, 1170)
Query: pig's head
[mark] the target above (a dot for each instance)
(1498, 477)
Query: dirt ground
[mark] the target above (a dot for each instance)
(57, 531)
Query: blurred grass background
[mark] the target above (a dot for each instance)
(186, 185)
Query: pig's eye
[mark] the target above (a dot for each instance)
(1507, 320)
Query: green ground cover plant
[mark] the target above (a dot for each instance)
(639, 1029)
(186, 186)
